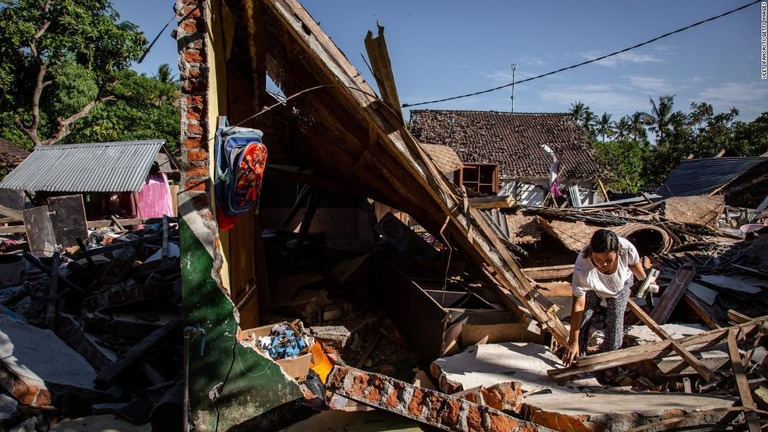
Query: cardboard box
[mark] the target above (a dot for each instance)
(297, 367)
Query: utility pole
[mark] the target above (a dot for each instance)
(514, 66)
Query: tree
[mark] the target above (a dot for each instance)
(164, 74)
(61, 60)
(750, 139)
(659, 118)
(585, 118)
(144, 108)
(604, 126)
(625, 159)
(624, 128)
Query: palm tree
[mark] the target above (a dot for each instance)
(638, 131)
(588, 122)
(604, 126)
(577, 110)
(660, 117)
(624, 128)
(164, 74)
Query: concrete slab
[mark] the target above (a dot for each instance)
(26, 353)
(579, 405)
(359, 421)
(489, 364)
(616, 410)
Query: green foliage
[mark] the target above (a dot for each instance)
(60, 60)
(699, 133)
(145, 108)
(625, 159)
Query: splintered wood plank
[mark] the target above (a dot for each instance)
(673, 293)
(40, 233)
(742, 384)
(382, 69)
(649, 351)
(108, 374)
(68, 219)
(689, 358)
(699, 310)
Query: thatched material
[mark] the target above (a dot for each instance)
(697, 210)
(444, 157)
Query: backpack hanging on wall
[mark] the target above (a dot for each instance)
(240, 158)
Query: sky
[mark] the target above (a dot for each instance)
(441, 49)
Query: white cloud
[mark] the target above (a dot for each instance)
(652, 85)
(599, 97)
(630, 57)
(751, 98)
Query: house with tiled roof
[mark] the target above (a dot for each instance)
(516, 153)
(11, 154)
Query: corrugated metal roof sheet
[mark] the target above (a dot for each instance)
(95, 167)
(701, 176)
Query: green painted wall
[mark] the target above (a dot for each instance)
(252, 384)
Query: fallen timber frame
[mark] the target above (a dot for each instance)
(389, 141)
(648, 351)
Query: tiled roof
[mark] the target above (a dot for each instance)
(11, 153)
(512, 140)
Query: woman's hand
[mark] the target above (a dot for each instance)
(571, 353)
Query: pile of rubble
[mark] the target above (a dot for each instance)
(694, 354)
(95, 329)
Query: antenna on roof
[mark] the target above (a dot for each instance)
(514, 66)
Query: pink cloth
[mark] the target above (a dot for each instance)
(154, 198)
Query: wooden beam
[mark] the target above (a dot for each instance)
(648, 351)
(109, 373)
(694, 304)
(492, 202)
(11, 213)
(689, 358)
(673, 293)
(382, 69)
(550, 272)
(742, 384)
(440, 206)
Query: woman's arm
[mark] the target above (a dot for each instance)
(577, 312)
(638, 270)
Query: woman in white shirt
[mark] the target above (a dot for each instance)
(603, 270)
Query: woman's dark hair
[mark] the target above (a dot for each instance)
(602, 241)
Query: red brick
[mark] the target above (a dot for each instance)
(451, 412)
(417, 402)
(195, 101)
(195, 186)
(197, 171)
(191, 10)
(194, 129)
(193, 56)
(191, 26)
(194, 114)
(192, 143)
(197, 155)
(374, 389)
(474, 418)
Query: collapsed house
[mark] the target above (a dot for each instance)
(477, 310)
(530, 156)
(740, 180)
(329, 133)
